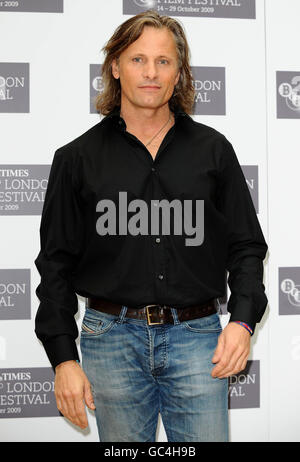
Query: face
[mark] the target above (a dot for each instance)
(148, 69)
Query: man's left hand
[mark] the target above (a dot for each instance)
(232, 351)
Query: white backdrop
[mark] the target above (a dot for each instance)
(58, 48)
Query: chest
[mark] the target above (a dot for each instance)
(153, 147)
(186, 168)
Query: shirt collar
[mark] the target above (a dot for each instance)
(115, 114)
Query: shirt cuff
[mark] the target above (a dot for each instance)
(61, 348)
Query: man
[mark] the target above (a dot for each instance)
(151, 339)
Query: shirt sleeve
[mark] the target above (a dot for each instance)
(61, 241)
(247, 247)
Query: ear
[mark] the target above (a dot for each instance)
(115, 68)
(177, 78)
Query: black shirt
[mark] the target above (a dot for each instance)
(194, 163)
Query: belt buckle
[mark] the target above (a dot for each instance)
(149, 322)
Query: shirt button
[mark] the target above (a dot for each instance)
(153, 169)
(157, 240)
(160, 276)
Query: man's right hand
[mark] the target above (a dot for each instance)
(72, 391)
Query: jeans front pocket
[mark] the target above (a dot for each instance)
(97, 323)
(207, 324)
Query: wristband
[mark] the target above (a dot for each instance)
(246, 326)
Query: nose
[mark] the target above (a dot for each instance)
(150, 70)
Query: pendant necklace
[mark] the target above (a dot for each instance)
(158, 131)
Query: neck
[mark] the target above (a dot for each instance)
(144, 119)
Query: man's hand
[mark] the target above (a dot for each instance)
(232, 351)
(72, 389)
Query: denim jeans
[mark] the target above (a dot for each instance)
(138, 370)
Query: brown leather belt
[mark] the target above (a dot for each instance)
(154, 314)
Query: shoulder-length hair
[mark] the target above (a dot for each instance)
(129, 31)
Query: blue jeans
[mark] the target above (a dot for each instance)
(137, 370)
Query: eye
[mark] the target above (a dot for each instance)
(164, 61)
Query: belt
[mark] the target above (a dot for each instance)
(154, 313)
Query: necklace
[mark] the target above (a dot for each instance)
(147, 144)
(159, 130)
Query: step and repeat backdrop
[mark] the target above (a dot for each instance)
(246, 72)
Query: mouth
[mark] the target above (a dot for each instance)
(150, 87)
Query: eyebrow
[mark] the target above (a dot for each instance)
(160, 56)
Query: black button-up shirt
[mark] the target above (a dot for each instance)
(194, 163)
